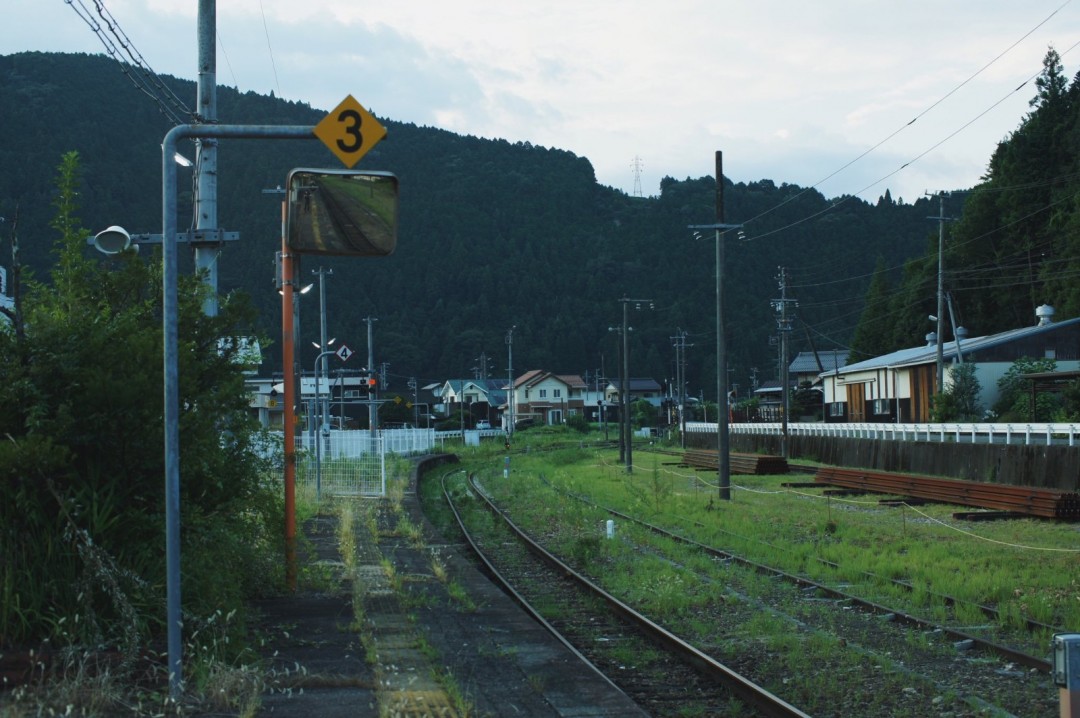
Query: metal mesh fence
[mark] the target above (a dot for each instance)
(353, 463)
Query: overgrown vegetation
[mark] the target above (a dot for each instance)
(81, 462)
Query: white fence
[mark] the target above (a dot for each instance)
(353, 463)
(1042, 434)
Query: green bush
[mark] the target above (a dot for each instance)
(81, 489)
(578, 422)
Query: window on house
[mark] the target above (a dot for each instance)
(556, 393)
(526, 393)
(882, 406)
(543, 393)
(836, 408)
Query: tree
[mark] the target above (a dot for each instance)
(960, 399)
(1014, 402)
(81, 495)
(873, 333)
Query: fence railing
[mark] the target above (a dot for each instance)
(353, 443)
(351, 462)
(1042, 434)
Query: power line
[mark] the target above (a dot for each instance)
(270, 48)
(905, 126)
(149, 83)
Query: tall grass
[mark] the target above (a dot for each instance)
(1025, 568)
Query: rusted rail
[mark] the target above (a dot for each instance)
(739, 463)
(1027, 500)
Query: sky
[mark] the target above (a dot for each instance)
(814, 94)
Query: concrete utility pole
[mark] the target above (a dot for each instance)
(207, 251)
(940, 317)
(783, 324)
(723, 444)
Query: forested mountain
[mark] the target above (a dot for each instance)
(492, 235)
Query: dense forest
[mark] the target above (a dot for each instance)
(496, 234)
(1013, 246)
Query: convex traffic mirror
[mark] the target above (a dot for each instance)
(342, 212)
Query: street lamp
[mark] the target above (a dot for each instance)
(323, 430)
(723, 458)
(624, 394)
(323, 345)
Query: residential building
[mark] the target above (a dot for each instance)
(547, 398)
(899, 387)
(637, 388)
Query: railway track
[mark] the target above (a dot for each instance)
(976, 676)
(988, 611)
(663, 673)
(970, 641)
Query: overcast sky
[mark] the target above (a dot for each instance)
(790, 91)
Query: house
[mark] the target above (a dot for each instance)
(344, 393)
(546, 398)
(637, 389)
(899, 387)
(483, 397)
(807, 367)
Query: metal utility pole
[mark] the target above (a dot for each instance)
(373, 406)
(323, 345)
(723, 446)
(171, 371)
(783, 323)
(510, 379)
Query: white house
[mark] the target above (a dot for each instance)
(547, 398)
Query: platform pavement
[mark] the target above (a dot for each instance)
(422, 653)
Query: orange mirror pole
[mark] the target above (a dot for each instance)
(289, 416)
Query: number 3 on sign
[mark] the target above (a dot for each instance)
(349, 131)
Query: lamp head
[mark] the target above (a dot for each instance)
(112, 240)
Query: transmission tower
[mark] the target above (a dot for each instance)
(637, 165)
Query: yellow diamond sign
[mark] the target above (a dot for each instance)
(350, 131)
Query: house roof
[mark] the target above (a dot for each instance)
(638, 385)
(928, 354)
(536, 376)
(807, 362)
(495, 389)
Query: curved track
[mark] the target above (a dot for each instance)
(670, 690)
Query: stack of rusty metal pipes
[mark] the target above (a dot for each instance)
(1032, 501)
(739, 463)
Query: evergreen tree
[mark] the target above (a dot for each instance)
(873, 335)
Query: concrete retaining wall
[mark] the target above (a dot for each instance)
(1042, 466)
